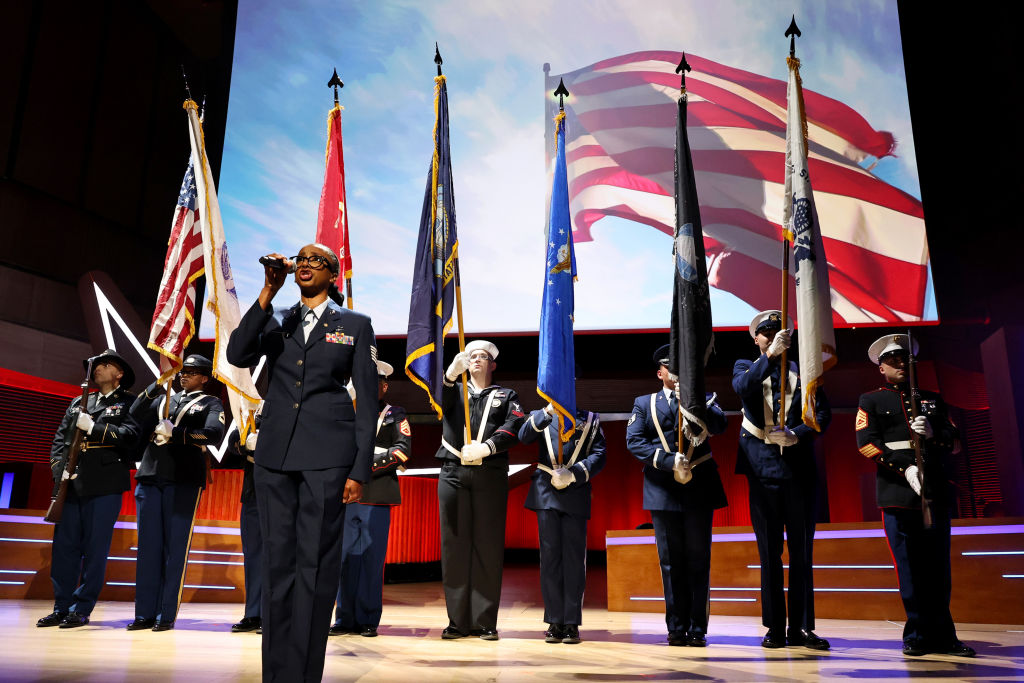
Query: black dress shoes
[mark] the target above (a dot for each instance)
(914, 648)
(339, 630)
(773, 639)
(163, 626)
(571, 634)
(488, 634)
(74, 620)
(554, 634)
(808, 639)
(368, 631)
(140, 624)
(677, 638)
(696, 639)
(247, 625)
(52, 619)
(958, 649)
(452, 633)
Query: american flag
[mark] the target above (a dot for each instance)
(174, 318)
(621, 120)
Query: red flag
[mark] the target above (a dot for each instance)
(332, 220)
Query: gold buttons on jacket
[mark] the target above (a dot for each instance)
(298, 362)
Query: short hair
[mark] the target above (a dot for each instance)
(333, 264)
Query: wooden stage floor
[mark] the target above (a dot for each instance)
(618, 646)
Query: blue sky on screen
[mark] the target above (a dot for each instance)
(493, 54)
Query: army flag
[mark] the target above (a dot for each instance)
(174, 316)
(332, 218)
(691, 337)
(800, 222)
(221, 299)
(556, 374)
(435, 271)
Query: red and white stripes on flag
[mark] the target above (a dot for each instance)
(174, 317)
(620, 163)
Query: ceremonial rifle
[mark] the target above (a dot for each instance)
(70, 457)
(915, 438)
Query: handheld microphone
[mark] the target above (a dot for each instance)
(276, 264)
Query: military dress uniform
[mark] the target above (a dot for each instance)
(473, 501)
(562, 515)
(240, 457)
(682, 513)
(311, 441)
(81, 540)
(782, 484)
(921, 554)
(169, 482)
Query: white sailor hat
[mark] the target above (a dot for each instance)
(481, 345)
(888, 344)
(767, 320)
(384, 370)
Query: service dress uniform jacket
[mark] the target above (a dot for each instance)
(472, 503)
(81, 540)
(360, 598)
(921, 554)
(562, 514)
(782, 485)
(169, 481)
(312, 440)
(682, 513)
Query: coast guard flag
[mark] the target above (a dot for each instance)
(556, 374)
(691, 337)
(332, 218)
(800, 222)
(435, 274)
(221, 299)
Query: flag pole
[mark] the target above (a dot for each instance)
(336, 83)
(681, 69)
(458, 286)
(792, 33)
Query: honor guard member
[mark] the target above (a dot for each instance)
(682, 490)
(365, 545)
(884, 431)
(560, 495)
(239, 455)
(169, 480)
(472, 490)
(81, 540)
(778, 461)
(314, 450)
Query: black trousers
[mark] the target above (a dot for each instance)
(166, 514)
(472, 503)
(684, 552)
(301, 520)
(922, 566)
(81, 543)
(790, 508)
(252, 558)
(563, 565)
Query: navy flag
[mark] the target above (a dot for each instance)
(556, 375)
(691, 333)
(436, 271)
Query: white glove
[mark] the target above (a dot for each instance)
(474, 453)
(459, 365)
(919, 424)
(675, 389)
(675, 379)
(779, 344)
(782, 437)
(912, 479)
(562, 478)
(351, 389)
(549, 409)
(160, 440)
(680, 471)
(164, 428)
(250, 442)
(85, 422)
(65, 476)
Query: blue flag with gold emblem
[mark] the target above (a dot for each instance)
(556, 375)
(435, 274)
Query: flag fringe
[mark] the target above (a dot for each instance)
(565, 434)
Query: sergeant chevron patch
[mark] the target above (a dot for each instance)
(862, 419)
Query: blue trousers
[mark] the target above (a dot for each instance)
(363, 549)
(81, 543)
(252, 551)
(684, 552)
(922, 566)
(166, 513)
(563, 565)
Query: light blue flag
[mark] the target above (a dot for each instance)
(556, 376)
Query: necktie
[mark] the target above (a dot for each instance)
(307, 324)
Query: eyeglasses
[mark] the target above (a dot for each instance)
(480, 355)
(316, 262)
(188, 373)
